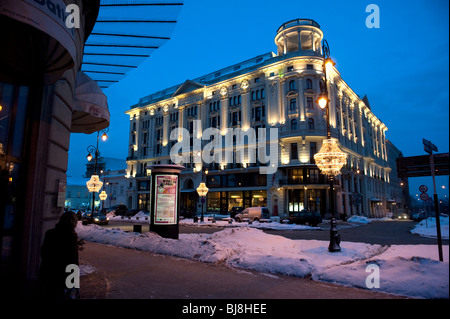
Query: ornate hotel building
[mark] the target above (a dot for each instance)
(270, 91)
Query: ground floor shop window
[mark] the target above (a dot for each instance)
(309, 199)
(144, 202)
(13, 146)
(223, 202)
(213, 202)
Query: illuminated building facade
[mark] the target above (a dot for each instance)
(268, 91)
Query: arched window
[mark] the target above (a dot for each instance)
(311, 124)
(293, 125)
(309, 84)
(239, 100)
(188, 184)
(257, 95)
(253, 96)
(292, 85)
(235, 100)
(263, 94)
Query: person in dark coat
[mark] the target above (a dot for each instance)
(60, 249)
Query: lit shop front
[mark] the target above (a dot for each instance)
(224, 201)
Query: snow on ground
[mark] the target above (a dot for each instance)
(427, 227)
(359, 219)
(409, 270)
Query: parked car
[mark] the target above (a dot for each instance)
(121, 210)
(253, 214)
(132, 212)
(305, 217)
(400, 216)
(235, 210)
(98, 218)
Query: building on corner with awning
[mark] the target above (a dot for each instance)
(54, 62)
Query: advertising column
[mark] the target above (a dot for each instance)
(165, 194)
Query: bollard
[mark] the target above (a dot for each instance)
(195, 219)
(230, 221)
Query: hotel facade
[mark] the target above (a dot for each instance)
(269, 91)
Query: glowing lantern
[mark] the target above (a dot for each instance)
(330, 159)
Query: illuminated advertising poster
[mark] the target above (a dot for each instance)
(166, 200)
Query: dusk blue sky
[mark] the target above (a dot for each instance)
(403, 67)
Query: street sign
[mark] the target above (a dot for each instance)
(429, 147)
(424, 197)
(423, 188)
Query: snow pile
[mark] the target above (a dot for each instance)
(359, 219)
(255, 224)
(427, 227)
(410, 270)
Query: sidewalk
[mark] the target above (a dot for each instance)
(120, 273)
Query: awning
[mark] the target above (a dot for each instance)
(34, 41)
(90, 108)
(125, 34)
(374, 199)
(391, 200)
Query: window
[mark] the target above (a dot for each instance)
(256, 80)
(235, 118)
(310, 124)
(309, 84)
(290, 68)
(263, 94)
(293, 125)
(309, 67)
(292, 85)
(312, 151)
(258, 113)
(294, 151)
(309, 103)
(293, 104)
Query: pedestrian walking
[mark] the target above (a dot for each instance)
(60, 249)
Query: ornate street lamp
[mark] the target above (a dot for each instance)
(93, 183)
(330, 159)
(103, 196)
(202, 190)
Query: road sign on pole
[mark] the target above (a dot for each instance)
(424, 197)
(423, 188)
(429, 147)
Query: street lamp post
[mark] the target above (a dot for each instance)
(95, 181)
(330, 159)
(202, 190)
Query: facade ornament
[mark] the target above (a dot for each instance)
(223, 90)
(245, 84)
